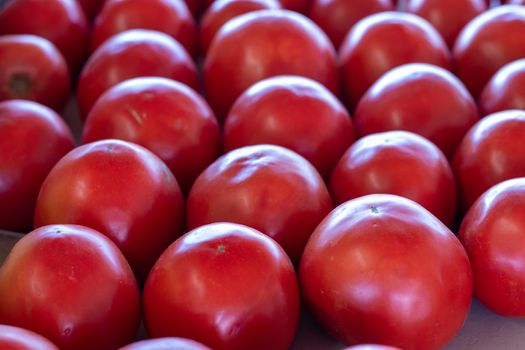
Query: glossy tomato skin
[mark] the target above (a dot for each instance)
(33, 139)
(380, 35)
(371, 347)
(60, 21)
(15, 338)
(168, 343)
(421, 98)
(293, 112)
(120, 189)
(301, 6)
(269, 188)
(225, 285)
(131, 54)
(86, 295)
(167, 16)
(447, 16)
(163, 115)
(515, 2)
(385, 258)
(262, 44)
(336, 17)
(31, 68)
(493, 235)
(491, 152)
(222, 11)
(501, 28)
(505, 90)
(90, 7)
(401, 163)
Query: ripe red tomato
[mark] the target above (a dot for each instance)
(90, 7)
(293, 112)
(60, 21)
(421, 98)
(262, 44)
(269, 188)
(394, 37)
(221, 12)
(447, 16)
(72, 285)
(401, 163)
(168, 16)
(336, 17)
(502, 29)
(33, 139)
(296, 5)
(506, 89)
(15, 338)
(493, 233)
(375, 269)
(163, 115)
(120, 189)
(491, 152)
(166, 344)
(31, 68)
(371, 347)
(130, 54)
(225, 285)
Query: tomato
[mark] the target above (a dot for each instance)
(502, 29)
(296, 5)
(371, 347)
(72, 285)
(336, 17)
(60, 21)
(194, 7)
(382, 269)
(120, 189)
(262, 44)
(166, 344)
(491, 152)
(130, 54)
(14, 338)
(33, 139)
(221, 12)
(515, 2)
(380, 35)
(421, 98)
(401, 163)
(293, 112)
(90, 7)
(447, 16)
(163, 115)
(269, 188)
(168, 16)
(505, 90)
(225, 285)
(31, 68)
(493, 233)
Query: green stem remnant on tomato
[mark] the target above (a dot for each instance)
(20, 85)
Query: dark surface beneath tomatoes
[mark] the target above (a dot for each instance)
(483, 329)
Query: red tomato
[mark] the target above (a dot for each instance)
(371, 347)
(262, 44)
(31, 68)
(194, 7)
(225, 285)
(401, 163)
(72, 285)
(502, 30)
(60, 21)
(382, 269)
(269, 188)
(296, 5)
(166, 344)
(493, 233)
(120, 189)
(163, 115)
(14, 338)
(168, 16)
(491, 152)
(91, 7)
(130, 54)
(383, 41)
(33, 139)
(506, 89)
(421, 98)
(293, 112)
(221, 12)
(336, 17)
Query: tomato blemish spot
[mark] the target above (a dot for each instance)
(20, 85)
(374, 210)
(221, 248)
